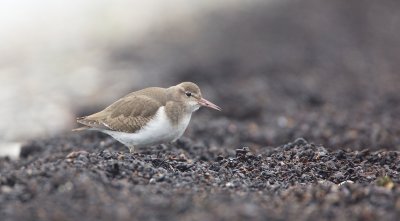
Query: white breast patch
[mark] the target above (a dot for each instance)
(158, 130)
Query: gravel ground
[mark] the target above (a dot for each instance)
(71, 178)
(310, 129)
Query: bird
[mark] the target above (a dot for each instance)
(150, 116)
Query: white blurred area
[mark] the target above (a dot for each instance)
(54, 56)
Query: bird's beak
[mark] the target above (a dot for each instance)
(206, 103)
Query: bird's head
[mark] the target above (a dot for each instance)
(190, 94)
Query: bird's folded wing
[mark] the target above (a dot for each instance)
(129, 114)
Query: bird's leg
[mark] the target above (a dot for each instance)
(107, 143)
(174, 143)
(131, 148)
(164, 146)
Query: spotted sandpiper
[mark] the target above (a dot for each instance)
(149, 116)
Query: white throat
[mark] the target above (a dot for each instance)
(193, 106)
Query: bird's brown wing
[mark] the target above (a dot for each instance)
(129, 114)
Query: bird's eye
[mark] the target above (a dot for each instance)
(188, 94)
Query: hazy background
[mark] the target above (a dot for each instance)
(56, 56)
(324, 70)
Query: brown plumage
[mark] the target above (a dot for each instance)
(134, 111)
(128, 114)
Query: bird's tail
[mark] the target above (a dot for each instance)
(81, 128)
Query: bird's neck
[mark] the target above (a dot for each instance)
(176, 111)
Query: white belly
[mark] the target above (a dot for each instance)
(158, 130)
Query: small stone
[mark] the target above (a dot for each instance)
(230, 184)
(345, 182)
(75, 154)
(6, 189)
(182, 157)
(219, 158)
(338, 175)
(300, 141)
(152, 181)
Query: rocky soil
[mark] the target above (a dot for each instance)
(91, 177)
